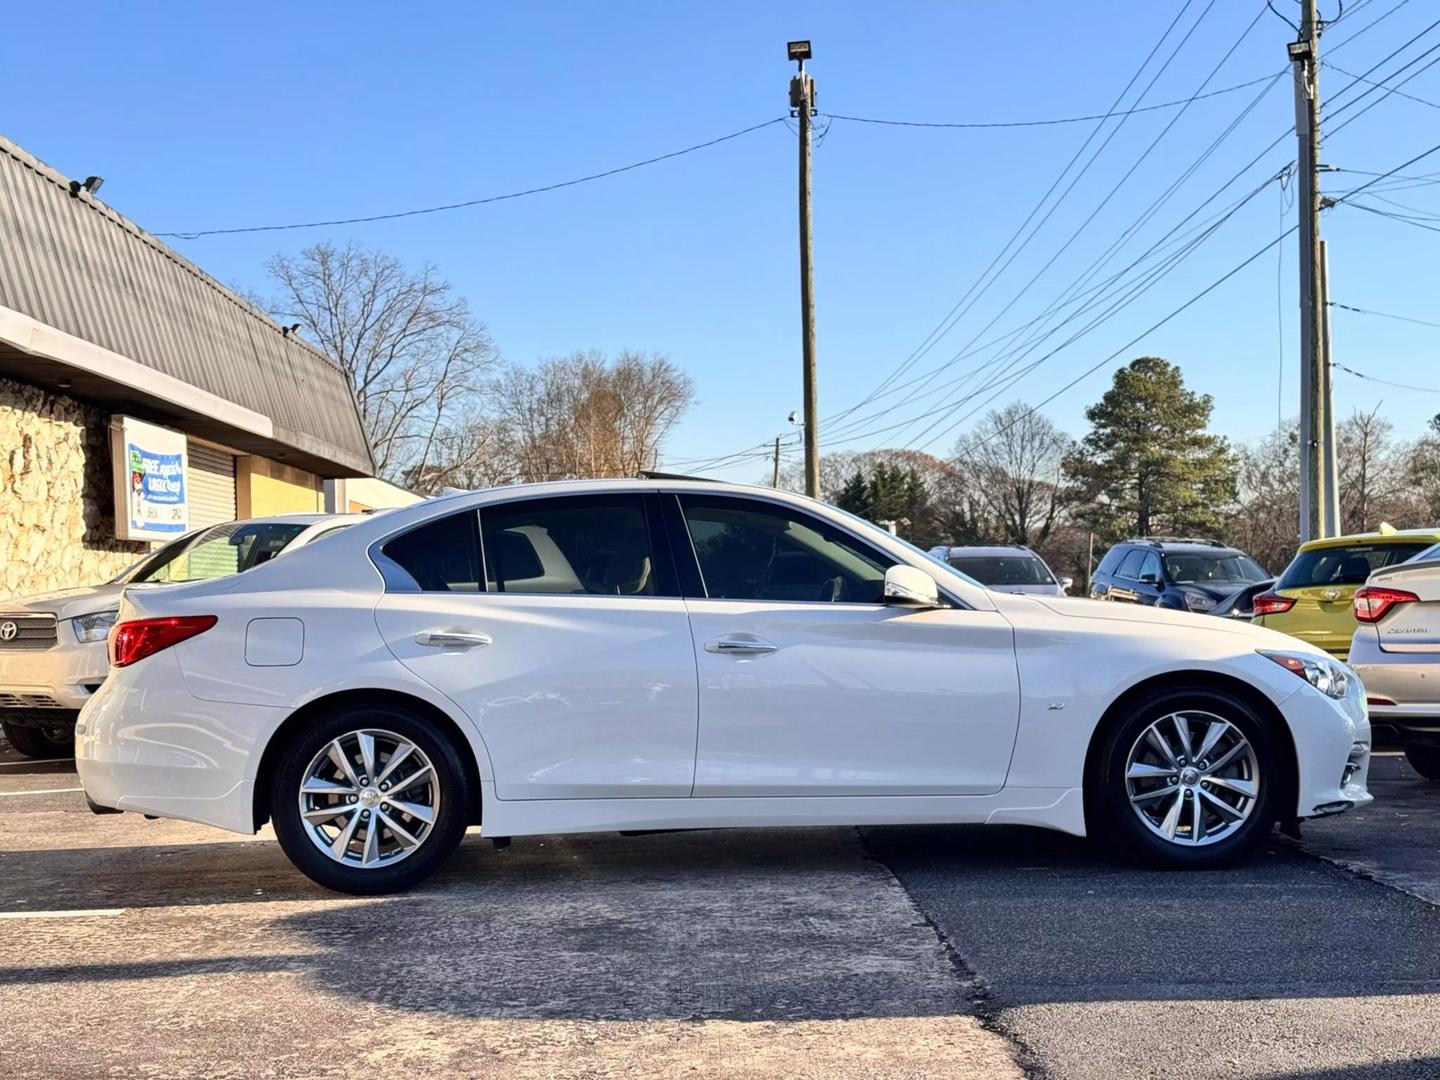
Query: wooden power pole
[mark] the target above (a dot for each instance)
(802, 105)
(1314, 375)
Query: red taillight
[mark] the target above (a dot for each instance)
(1269, 603)
(1376, 699)
(1373, 601)
(139, 638)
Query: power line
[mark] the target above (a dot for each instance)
(1393, 90)
(1389, 173)
(1383, 314)
(1386, 382)
(1061, 120)
(477, 202)
(1402, 218)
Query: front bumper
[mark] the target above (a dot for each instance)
(47, 687)
(1332, 745)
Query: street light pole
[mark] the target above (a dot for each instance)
(802, 105)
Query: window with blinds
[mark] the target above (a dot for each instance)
(210, 479)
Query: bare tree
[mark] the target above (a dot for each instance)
(1374, 485)
(1013, 463)
(583, 416)
(417, 358)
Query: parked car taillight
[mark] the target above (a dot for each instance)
(1269, 603)
(139, 638)
(1373, 601)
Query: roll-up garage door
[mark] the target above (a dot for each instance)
(211, 482)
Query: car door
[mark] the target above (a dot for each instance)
(556, 624)
(1149, 583)
(809, 685)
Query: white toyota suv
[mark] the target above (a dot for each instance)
(52, 645)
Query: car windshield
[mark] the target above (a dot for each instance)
(1222, 568)
(1003, 569)
(219, 551)
(1347, 565)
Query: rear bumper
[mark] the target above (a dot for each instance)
(143, 743)
(1408, 683)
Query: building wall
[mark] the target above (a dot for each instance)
(57, 524)
(369, 493)
(264, 487)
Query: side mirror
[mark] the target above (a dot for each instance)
(1149, 579)
(906, 586)
(1067, 583)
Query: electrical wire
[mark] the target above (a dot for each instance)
(196, 234)
(1385, 382)
(972, 125)
(1403, 219)
(1383, 314)
(1393, 90)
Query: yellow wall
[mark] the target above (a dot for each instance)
(264, 487)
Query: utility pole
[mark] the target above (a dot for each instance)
(1314, 375)
(1333, 524)
(802, 106)
(775, 476)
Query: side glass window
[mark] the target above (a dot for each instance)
(1151, 566)
(441, 556)
(1111, 561)
(220, 551)
(1130, 568)
(757, 551)
(573, 544)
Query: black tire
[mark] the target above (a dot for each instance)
(1115, 821)
(445, 833)
(1425, 760)
(33, 742)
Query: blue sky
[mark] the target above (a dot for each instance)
(204, 116)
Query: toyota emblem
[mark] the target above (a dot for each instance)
(1330, 594)
(8, 630)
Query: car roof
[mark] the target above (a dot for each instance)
(1197, 547)
(1391, 536)
(987, 550)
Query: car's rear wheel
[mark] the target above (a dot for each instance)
(1425, 760)
(1188, 778)
(40, 742)
(370, 799)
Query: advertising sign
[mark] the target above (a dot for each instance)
(151, 501)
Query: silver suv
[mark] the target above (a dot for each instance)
(52, 645)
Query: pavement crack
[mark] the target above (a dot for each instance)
(986, 1009)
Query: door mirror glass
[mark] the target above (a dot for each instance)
(909, 587)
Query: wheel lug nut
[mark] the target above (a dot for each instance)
(1173, 780)
(365, 815)
(385, 786)
(354, 798)
(384, 806)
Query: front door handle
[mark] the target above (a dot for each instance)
(740, 646)
(452, 639)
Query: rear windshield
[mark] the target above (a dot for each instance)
(1223, 568)
(1349, 565)
(1003, 569)
(219, 551)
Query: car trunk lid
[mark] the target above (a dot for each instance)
(1413, 626)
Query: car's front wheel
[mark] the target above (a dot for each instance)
(36, 742)
(1425, 760)
(1188, 778)
(370, 799)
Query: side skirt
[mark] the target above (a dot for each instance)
(1051, 808)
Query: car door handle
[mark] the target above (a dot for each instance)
(452, 639)
(740, 646)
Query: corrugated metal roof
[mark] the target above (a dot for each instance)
(77, 265)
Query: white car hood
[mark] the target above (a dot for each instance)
(68, 603)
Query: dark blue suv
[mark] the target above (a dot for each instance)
(1173, 572)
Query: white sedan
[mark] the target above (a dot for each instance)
(616, 655)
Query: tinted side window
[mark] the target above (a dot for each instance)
(575, 544)
(1130, 568)
(441, 556)
(1151, 566)
(1111, 561)
(751, 550)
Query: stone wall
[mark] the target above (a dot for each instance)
(57, 526)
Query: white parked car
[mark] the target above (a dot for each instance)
(52, 645)
(1005, 568)
(617, 655)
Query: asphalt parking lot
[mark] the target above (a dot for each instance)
(159, 949)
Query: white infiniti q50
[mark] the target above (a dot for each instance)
(614, 655)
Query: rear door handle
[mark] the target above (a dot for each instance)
(738, 646)
(452, 639)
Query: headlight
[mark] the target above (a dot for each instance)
(1198, 602)
(95, 626)
(1330, 677)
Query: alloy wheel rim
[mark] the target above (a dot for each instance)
(369, 798)
(1192, 778)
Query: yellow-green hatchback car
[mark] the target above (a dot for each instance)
(1312, 598)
